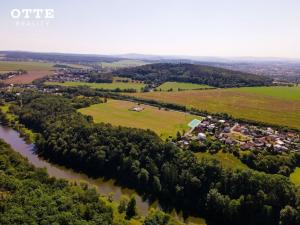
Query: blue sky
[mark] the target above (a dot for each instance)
(261, 28)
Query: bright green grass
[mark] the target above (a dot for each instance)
(287, 93)
(107, 86)
(29, 66)
(122, 64)
(181, 85)
(164, 123)
(227, 160)
(295, 176)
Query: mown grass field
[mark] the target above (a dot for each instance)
(276, 105)
(226, 160)
(107, 86)
(164, 123)
(175, 86)
(295, 176)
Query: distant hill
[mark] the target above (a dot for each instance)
(56, 57)
(200, 74)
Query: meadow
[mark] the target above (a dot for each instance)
(107, 86)
(226, 160)
(116, 112)
(175, 86)
(275, 105)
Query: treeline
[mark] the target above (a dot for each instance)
(199, 74)
(140, 159)
(96, 77)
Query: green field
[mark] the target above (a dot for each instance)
(29, 66)
(275, 105)
(122, 64)
(164, 123)
(295, 176)
(227, 160)
(175, 86)
(286, 93)
(107, 86)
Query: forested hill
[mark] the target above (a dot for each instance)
(218, 77)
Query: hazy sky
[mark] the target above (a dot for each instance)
(168, 27)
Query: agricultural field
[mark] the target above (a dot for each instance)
(175, 86)
(107, 86)
(28, 77)
(35, 70)
(295, 176)
(29, 66)
(226, 160)
(276, 105)
(122, 64)
(286, 93)
(164, 123)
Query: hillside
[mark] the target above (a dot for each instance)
(218, 77)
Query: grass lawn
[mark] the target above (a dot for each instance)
(29, 66)
(164, 123)
(181, 85)
(295, 176)
(227, 160)
(276, 105)
(108, 86)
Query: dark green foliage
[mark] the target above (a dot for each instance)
(131, 210)
(264, 161)
(199, 74)
(100, 77)
(140, 159)
(29, 196)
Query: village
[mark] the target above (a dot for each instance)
(245, 136)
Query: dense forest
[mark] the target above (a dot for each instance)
(140, 159)
(213, 76)
(29, 196)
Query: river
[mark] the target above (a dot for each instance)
(105, 187)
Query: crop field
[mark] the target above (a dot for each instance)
(29, 66)
(286, 93)
(35, 70)
(226, 160)
(108, 86)
(28, 77)
(295, 176)
(175, 86)
(122, 64)
(164, 123)
(276, 105)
